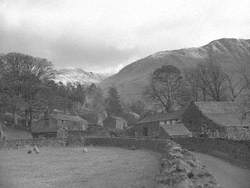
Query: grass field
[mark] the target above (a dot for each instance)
(71, 168)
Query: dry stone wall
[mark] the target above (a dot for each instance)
(237, 152)
(20, 143)
(178, 167)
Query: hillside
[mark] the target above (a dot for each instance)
(132, 79)
(74, 75)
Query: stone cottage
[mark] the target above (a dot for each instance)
(58, 125)
(115, 122)
(217, 120)
(163, 125)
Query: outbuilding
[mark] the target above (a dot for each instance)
(56, 124)
(217, 120)
(162, 125)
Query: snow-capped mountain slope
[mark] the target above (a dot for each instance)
(132, 79)
(77, 75)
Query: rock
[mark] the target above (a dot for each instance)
(200, 172)
(192, 163)
(176, 154)
(180, 169)
(36, 150)
(29, 152)
(184, 184)
(85, 150)
(182, 166)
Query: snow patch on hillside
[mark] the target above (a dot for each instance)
(77, 75)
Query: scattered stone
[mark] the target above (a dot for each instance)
(36, 150)
(182, 166)
(180, 169)
(85, 150)
(184, 184)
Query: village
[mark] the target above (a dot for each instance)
(77, 115)
(124, 94)
(199, 119)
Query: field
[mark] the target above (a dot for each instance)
(71, 168)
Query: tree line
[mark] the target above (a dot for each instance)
(170, 88)
(28, 90)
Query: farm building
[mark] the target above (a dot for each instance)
(164, 125)
(217, 119)
(114, 122)
(56, 124)
(94, 118)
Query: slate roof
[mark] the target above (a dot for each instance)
(162, 117)
(176, 130)
(41, 126)
(67, 117)
(118, 118)
(222, 113)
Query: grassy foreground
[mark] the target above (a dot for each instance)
(107, 167)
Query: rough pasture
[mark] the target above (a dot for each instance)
(104, 167)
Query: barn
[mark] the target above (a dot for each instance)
(55, 124)
(217, 120)
(163, 125)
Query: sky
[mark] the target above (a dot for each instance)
(104, 36)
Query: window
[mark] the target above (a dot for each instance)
(145, 131)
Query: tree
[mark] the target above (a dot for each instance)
(113, 104)
(77, 95)
(137, 107)
(22, 80)
(196, 89)
(236, 85)
(212, 80)
(243, 104)
(165, 85)
(95, 99)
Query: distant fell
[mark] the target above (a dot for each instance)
(131, 80)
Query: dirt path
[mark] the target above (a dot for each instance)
(69, 167)
(226, 174)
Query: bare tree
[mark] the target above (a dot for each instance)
(194, 85)
(236, 85)
(212, 80)
(164, 86)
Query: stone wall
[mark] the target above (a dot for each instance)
(234, 151)
(20, 143)
(178, 167)
(238, 133)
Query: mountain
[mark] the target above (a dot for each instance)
(73, 75)
(132, 79)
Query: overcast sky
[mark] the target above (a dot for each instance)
(104, 36)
